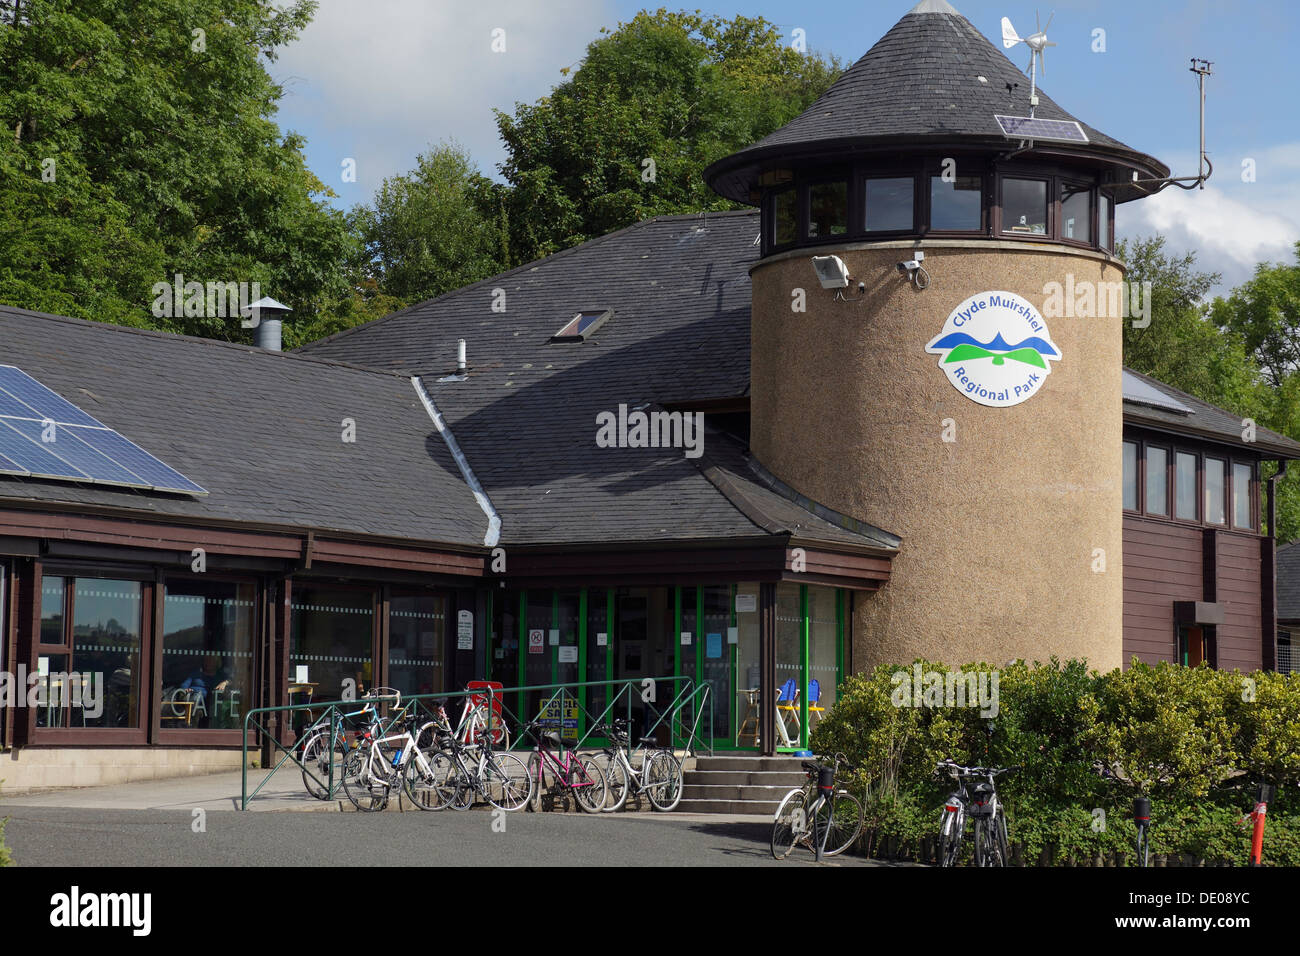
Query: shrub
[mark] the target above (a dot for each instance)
(1195, 740)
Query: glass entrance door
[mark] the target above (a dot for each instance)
(790, 680)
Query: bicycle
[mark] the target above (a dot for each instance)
(827, 819)
(981, 804)
(578, 775)
(324, 735)
(460, 772)
(370, 774)
(660, 776)
(476, 717)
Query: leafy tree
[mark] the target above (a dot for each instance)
(1181, 346)
(629, 134)
(434, 229)
(143, 145)
(1265, 313)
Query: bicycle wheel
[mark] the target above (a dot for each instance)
(987, 852)
(364, 788)
(462, 782)
(316, 763)
(663, 779)
(429, 789)
(616, 780)
(1004, 849)
(540, 781)
(790, 825)
(1143, 848)
(588, 785)
(950, 835)
(845, 823)
(509, 787)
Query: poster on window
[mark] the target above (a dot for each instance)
(465, 631)
(536, 641)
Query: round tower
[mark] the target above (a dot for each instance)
(960, 387)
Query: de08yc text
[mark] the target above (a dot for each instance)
(1161, 899)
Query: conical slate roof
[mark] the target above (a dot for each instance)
(919, 83)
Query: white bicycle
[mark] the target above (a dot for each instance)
(371, 773)
(660, 776)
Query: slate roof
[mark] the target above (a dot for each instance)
(525, 416)
(1288, 582)
(261, 431)
(918, 83)
(1206, 421)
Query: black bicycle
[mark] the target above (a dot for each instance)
(981, 805)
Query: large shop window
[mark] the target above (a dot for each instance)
(90, 669)
(417, 627)
(207, 654)
(823, 660)
(331, 641)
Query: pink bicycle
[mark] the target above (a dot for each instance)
(579, 775)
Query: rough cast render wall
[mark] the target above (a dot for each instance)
(999, 527)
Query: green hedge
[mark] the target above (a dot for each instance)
(1195, 740)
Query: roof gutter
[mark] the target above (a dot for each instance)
(494, 520)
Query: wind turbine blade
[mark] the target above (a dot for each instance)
(1009, 35)
(1038, 28)
(1042, 61)
(1049, 21)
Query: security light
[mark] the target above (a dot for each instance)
(908, 266)
(831, 272)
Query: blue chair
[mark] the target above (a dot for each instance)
(787, 702)
(814, 700)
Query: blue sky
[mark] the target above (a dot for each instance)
(379, 82)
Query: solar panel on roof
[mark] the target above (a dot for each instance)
(157, 474)
(33, 459)
(47, 404)
(43, 435)
(1029, 127)
(1136, 390)
(65, 444)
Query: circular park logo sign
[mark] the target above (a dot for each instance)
(995, 349)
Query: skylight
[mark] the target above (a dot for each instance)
(582, 324)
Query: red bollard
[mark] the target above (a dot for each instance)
(1261, 811)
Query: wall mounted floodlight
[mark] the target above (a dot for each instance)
(831, 272)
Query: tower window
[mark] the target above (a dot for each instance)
(785, 217)
(956, 205)
(828, 210)
(888, 204)
(1024, 206)
(1103, 221)
(1076, 213)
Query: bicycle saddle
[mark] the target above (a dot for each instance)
(557, 741)
(649, 742)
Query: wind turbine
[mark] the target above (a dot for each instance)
(1038, 44)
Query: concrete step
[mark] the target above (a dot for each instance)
(760, 807)
(773, 795)
(766, 778)
(750, 763)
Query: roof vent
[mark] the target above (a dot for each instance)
(266, 317)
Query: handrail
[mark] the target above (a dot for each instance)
(698, 696)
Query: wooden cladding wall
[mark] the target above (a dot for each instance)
(1162, 564)
(1239, 590)
(1166, 562)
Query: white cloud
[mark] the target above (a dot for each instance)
(1230, 228)
(381, 81)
